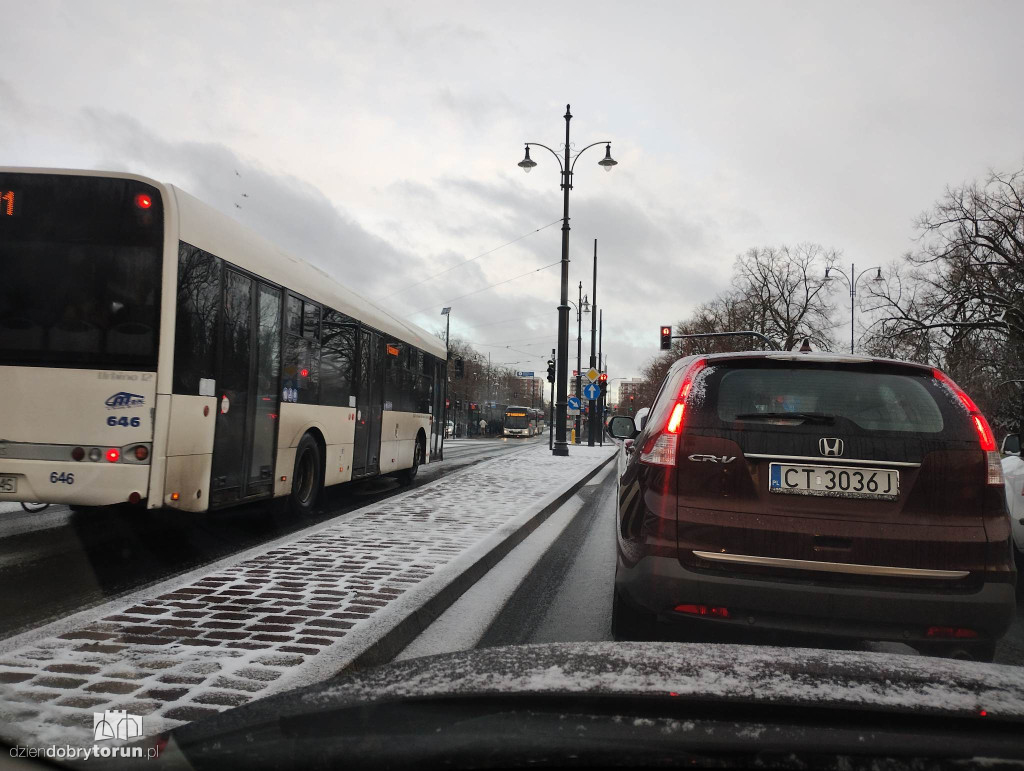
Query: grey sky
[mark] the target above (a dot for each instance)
(380, 140)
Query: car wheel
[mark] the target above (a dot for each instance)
(628, 623)
(307, 477)
(419, 454)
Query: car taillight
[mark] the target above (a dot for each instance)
(703, 610)
(986, 439)
(957, 632)
(660, 448)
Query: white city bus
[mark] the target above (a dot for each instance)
(517, 421)
(155, 352)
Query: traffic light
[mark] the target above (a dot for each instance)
(458, 404)
(666, 338)
(551, 371)
(447, 403)
(602, 382)
(460, 369)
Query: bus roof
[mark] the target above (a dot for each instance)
(203, 226)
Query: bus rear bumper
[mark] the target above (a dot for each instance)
(83, 483)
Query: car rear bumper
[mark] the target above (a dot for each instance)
(657, 584)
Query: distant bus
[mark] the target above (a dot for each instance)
(517, 421)
(155, 352)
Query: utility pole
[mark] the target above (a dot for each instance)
(593, 332)
(600, 357)
(579, 356)
(447, 313)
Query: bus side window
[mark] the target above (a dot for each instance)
(337, 357)
(195, 331)
(293, 319)
(300, 380)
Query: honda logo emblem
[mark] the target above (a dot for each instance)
(830, 446)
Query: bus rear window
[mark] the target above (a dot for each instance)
(80, 260)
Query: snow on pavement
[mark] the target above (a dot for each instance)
(278, 616)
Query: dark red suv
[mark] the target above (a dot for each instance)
(817, 493)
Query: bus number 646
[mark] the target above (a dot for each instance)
(122, 421)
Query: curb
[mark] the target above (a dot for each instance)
(394, 641)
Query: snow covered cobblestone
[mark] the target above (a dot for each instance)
(278, 616)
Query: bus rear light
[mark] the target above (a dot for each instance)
(113, 455)
(175, 496)
(78, 453)
(134, 498)
(143, 201)
(716, 611)
(95, 454)
(957, 632)
(141, 452)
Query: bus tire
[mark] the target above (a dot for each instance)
(408, 475)
(307, 477)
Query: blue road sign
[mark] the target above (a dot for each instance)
(591, 391)
(525, 374)
(574, 403)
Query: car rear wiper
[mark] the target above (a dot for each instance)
(807, 417)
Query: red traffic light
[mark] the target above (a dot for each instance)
(604, 377)
(666, 338)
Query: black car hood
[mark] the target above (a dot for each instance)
(722, 673)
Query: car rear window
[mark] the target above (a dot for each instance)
(873, 401)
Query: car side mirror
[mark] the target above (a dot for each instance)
(1011, 445)
(622, 427)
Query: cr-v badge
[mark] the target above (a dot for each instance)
(712, 458)
(830, 446)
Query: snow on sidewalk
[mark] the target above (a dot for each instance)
(276, 617)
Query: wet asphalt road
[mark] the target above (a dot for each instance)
(567, 595)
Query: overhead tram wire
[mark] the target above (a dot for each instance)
(509, 321)
(484, 289)
(466, 262)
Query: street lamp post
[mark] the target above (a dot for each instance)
(581, 307)
(566, 165)
(851, 283)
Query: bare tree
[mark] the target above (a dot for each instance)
(780, 292)
(785, 295)
(958, 301)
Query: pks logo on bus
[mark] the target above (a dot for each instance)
(123, 400)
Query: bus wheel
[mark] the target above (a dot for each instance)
(307, 478)
(409, 474)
